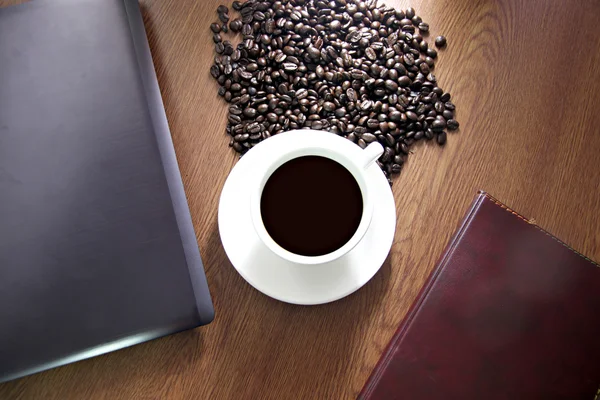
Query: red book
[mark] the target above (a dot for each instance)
(510, 312)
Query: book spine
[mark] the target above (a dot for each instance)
(387, 356)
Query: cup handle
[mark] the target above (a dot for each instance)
(371, 153)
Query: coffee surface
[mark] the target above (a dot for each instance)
(311, 206)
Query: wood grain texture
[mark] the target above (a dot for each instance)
(525, 77)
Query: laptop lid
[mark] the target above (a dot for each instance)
(97, 248)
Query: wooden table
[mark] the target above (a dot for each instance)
(525, 77)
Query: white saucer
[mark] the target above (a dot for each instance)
(287, 281)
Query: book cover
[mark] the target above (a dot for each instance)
(510, 312)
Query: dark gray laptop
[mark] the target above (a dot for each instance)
(97, 248)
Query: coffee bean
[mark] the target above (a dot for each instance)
(404, 81)
(390, 140)
(224, 17)
(244, 99)
(247, 29)
(431, 53)
(404, 148)
(423, 27)
(235, 110)
(250, 112)
(234, 119)
(441, 138)
(238, 147)
(301, 94)
(440, 41)
(313, 52)
(368, 137)
(452, 124)
(328, 106)
(245, 75)
(372, 123)
(351, 94)
(236, 25)
(241, 137)
(290, 67)
(388, 155)
(391, 85)
(214, 71)
(262, 108)
(272, 117)
(370, 53)
(438, 124)
(405, 22)
(254, 127)
(395, 115)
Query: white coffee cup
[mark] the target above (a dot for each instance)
(299, 143)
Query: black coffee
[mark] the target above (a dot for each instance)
(311, 206)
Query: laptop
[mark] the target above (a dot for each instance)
(97, 247)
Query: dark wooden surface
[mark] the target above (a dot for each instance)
(525, 77)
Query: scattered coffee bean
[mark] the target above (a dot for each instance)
(224, 18)
(440, 41)
(351, 67)
(441, 138)
(452, 124)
